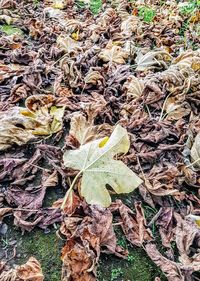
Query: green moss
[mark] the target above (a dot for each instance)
(46, 248)
(10, 30)
(147, 14)
(137, 267)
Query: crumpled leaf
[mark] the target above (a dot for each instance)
(98, 167)
(129, 25)
(113, 54)
(15, 128)
(150, 60)
(169, 268)
(134, 86)
(31, 270)
(93, 77)
(86, 236)
(84, 130)
(165, 224)
(20, 125)
(133, 226)
(186, 232)
(67, 44)
(188, 59)
(4, 212)
(78, 262)
(176, 109)
(195, 151)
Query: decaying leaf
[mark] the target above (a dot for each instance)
(4, 212)
(15, 129)
(84, 130)
(176, 109)
(113, 54)
(133, 226)
(150, 60)
(195, 151)
(78, 262)
(68, 45)
(188, 59)
(171, 269)
(86, 237)
(71, 72)
(98, 167)
(31, 270)
(134, 87)
(20, 125)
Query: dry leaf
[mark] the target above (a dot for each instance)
(150, 60)
(169, 268)
(84, 130)
(113, 54)
(133, 226)
(30, 271)
(134, 86)
(195, 151)
(95, 161)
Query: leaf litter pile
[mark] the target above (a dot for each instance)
(98, 99)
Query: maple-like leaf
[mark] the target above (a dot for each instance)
(84, 130)
(67, 44)
(150, 60)
(114, 54)
(95, 162)
(134, 86)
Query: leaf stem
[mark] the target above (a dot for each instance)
(70, 189)
(163, 107)
(197, 160)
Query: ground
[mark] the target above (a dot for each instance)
(46, 247)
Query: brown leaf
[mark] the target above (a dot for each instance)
(186, 232)
(113, 54)
(85, 238)
(165, 224)
(78, 262)
(195, 151)
(133, 226)
(30, 271)
(169, 268)
(84, 130)
(4, 212)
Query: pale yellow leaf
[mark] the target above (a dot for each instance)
(100, 169)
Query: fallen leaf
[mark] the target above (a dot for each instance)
(176, 109)
(150, 60)
(195, 151)
(78, 262)
(134, 86)
(4, 212)
(84, 130)
(171, 269)
(98, 168)
(68, 45)
(113, 54)
(133, 226)
(31, 270)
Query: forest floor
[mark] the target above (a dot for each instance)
(99, 140)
